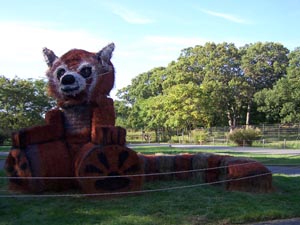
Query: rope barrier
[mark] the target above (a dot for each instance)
(140, 191)
(139, 175)
(128, 175)
(133, 192)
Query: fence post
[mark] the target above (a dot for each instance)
(278, 132)
(263, 131)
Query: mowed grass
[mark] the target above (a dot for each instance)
(187, 206)
(5, 148)
(198, 205)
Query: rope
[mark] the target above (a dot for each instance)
(133, 192)
(141, 191)
(129, 175)
(139, 175)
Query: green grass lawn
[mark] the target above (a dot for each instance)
(5, 148)
(200, 205)
(189, 206)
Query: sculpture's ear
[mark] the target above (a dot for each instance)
(50, 57)
(105, 54)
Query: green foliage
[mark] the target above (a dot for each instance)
(263, 65)
(3, 136)
(182, 108)
(122, 113)
(200, 136)
(215, 85)
(281, 102)
(23, 103)
(244, 136)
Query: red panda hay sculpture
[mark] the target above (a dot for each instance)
(80, 137)
(81, 148)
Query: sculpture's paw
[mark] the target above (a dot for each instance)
(16, 167)
(108, 169)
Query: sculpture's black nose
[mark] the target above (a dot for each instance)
(68, 79)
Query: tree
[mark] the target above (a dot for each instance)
(142, 87)
(209, 85)
(122, 113)
(152, 113)
(223, 85)
(181, 106)
(263, 64)
(23, 103)
(191, 65)
(282, 102)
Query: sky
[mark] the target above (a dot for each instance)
(147, 34)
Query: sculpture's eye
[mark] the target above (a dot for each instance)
(60, 72)
(86, 71)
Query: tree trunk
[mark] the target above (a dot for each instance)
(157, 135)
(231, 121)
(248, 115)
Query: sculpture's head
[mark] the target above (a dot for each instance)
(79, 76)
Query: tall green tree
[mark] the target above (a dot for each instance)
(223, 85)
(191, 65)
(263, 65)
(143, 86)
(132, 97)
(209, 85)
(23, 103)
(281, 103)
(152, 114)
(181, 106)
(122, 111)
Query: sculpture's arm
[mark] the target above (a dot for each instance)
(52, 130)
(103, 112)
(103, 130)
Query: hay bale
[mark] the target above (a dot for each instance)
(166, 164)
(50, 159)
(200, 162)
(36, 135)
(260, 178)
(108, 135)
(17, 165)
(213, 168)
(151, 166)
(224, 170)
(53, 130)
(41, 160)
(104, 116)
(104, 84)
(108, 161)
(183, 162)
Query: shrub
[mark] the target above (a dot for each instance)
(200, 136)
(244, 137)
